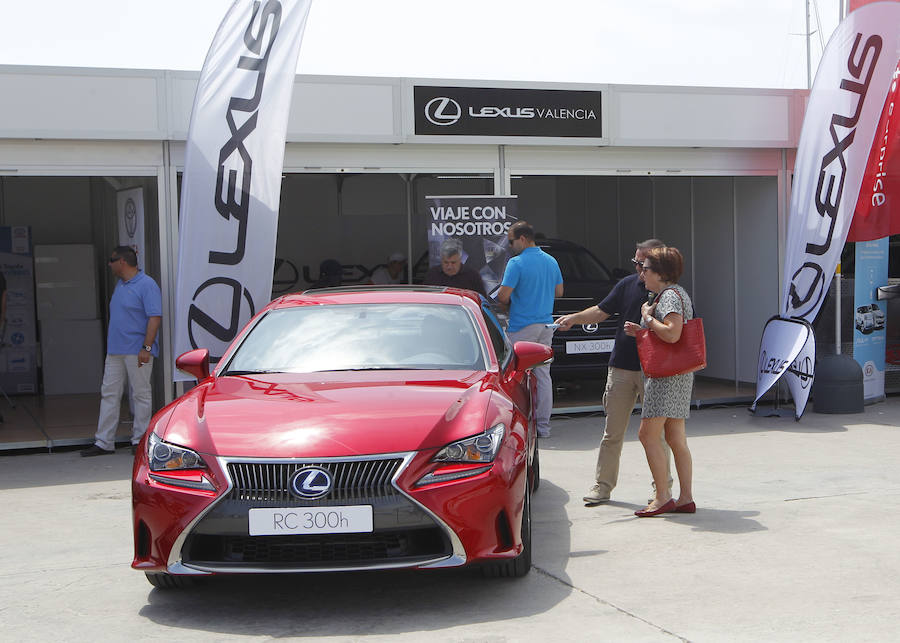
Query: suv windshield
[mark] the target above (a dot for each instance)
(577, 264)
(360, 337)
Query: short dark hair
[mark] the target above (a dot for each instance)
(128, 255)
(649, 244)
(667, 262)
(522, 229)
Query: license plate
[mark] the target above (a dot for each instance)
(590, 346)
(311, 520)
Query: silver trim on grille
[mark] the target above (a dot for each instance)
(270, 481)
(176, 566)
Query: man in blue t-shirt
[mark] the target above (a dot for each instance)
(624, 379)
(135, 314)
(530, 282)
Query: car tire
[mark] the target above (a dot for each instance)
(536, 470)
(520, 565)
(167, 581)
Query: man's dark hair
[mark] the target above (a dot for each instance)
(649, 244)
(128, 255)
(522, 229)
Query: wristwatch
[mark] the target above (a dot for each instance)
(147, 348)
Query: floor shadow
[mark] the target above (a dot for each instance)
(363, 603)
(63, 467)
(706, 519)
(720, 521)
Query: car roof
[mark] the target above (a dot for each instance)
(392, 294)
(558, 243)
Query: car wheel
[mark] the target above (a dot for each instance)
(520, 565)
(167, 581)
(536, 470)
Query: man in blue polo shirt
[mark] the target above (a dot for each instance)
(530, 282)
(135, 313)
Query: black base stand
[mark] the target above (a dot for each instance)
(775, 410)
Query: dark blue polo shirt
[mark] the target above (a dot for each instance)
(625, 298)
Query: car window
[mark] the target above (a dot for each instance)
(498, 338)
(577, 264)
(360, 337)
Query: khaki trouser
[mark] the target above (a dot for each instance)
(117, 370)
(623, 389)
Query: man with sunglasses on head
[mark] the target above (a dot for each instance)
(624, 379)
(135, 314)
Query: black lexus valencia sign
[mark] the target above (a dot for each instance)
(484, 111)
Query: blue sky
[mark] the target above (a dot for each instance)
(740, 43)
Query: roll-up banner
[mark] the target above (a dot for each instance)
(481, 224)
(845, 103)
(232, 177)
(130, 215)
(870, 316)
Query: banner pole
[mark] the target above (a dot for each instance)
(808, 54)
(837, 309)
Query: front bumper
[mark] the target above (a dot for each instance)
(183, 531)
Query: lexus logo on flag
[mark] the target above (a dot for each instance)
(234, 156)
(483, 111)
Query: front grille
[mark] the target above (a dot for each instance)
(354, 481)
(311, 550)
(403, 532)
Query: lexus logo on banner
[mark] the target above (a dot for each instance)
(484, 111)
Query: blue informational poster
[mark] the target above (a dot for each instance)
(18, 342)
(870, 315)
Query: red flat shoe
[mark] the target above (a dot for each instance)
(646, 513)
(686, 508)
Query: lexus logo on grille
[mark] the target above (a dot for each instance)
(590, 328)
(311, 482)
(442, 111)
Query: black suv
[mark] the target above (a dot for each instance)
(582, 351)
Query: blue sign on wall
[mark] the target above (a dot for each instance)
(870, 316)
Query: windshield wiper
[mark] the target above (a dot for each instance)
(367, 368)
(252, 371)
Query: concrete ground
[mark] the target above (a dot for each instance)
(794, 540)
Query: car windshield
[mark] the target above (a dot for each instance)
(350, 337)
(577, 264)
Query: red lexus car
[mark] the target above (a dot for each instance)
(345, 429)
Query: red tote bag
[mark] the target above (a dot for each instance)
(662, 359)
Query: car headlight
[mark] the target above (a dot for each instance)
(481, 448)
(168, 457)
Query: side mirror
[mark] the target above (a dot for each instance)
(531, 354)
(195, 362)
(889, 292)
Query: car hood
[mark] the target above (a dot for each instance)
(330, 414)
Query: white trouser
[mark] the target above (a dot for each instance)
(118, 368)
(542, 335)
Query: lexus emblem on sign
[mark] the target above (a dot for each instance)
(442, 111)
(311, 482)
